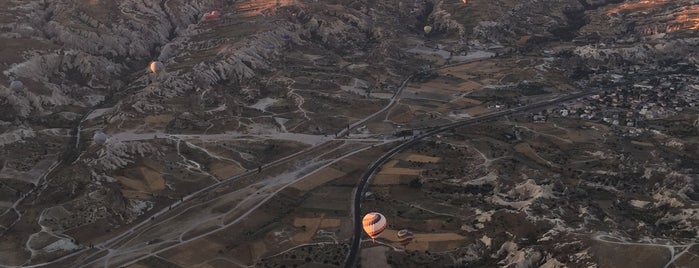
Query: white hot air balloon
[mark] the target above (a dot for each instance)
(374, 224)
(156, 67)
(16, 85)
(100, 138)
(110, 69)
(427, 29)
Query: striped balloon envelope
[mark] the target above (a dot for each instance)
(374, 223)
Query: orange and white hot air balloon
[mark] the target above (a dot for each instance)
(374, 223)
(156, 67)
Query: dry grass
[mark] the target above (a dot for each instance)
(158, 121)
(141, 182)
(154, 180)
(469, 101)
(330, 223)
(137, 265)
(224, 170)
(577, 136)
(11, 251)
(614, 255)
(374, 257)
(470, 86)
(401, 114)
(478, 110)
(218, 263)
(640, 143)
(133, 184)
(311, 227)
(131, 194)
(399, 171)
(528, 151)
(391, 163)
(423, 158)
(427, 241)
(318, 178)
(258, 248)
(385, 180)
(143, 179)
(439, 86)
(193, 253)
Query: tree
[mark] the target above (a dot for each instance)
(415, 183)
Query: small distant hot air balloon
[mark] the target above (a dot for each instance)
(16, 85)
(213, 15)
(156, 67)
(374, 223)
(427, 29)
(100, 138)
(404, 234)
(286, 37)
(110, 68)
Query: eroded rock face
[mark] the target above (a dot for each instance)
(83, 65)
(73, 42)
(265, 70)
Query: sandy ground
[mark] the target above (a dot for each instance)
(374, 257)
(194, 253)
(143, 179)
(224, 170)
(528, 151)
(423, 158)
(312, 225)
(399, 171)
(158, 121)
(319, 178)
(478, 110)
(613, 255)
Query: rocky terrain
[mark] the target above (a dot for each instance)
(280, 80)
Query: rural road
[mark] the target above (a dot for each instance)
(157, 217)
(361, 188)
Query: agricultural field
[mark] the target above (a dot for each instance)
(487, 133)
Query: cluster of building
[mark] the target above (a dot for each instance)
(631, 104)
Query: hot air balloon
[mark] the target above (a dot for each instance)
(16, 85)
(404, 234)
(110, 68)
(156, 67)
(213, 15)
(99, 138)
(374, 223)
(286, 37)
(427, 29)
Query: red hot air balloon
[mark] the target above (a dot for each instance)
(213, 15)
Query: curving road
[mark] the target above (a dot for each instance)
(109, 244)
(361, 188)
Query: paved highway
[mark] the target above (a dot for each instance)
(193, 198)
(351, 259)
